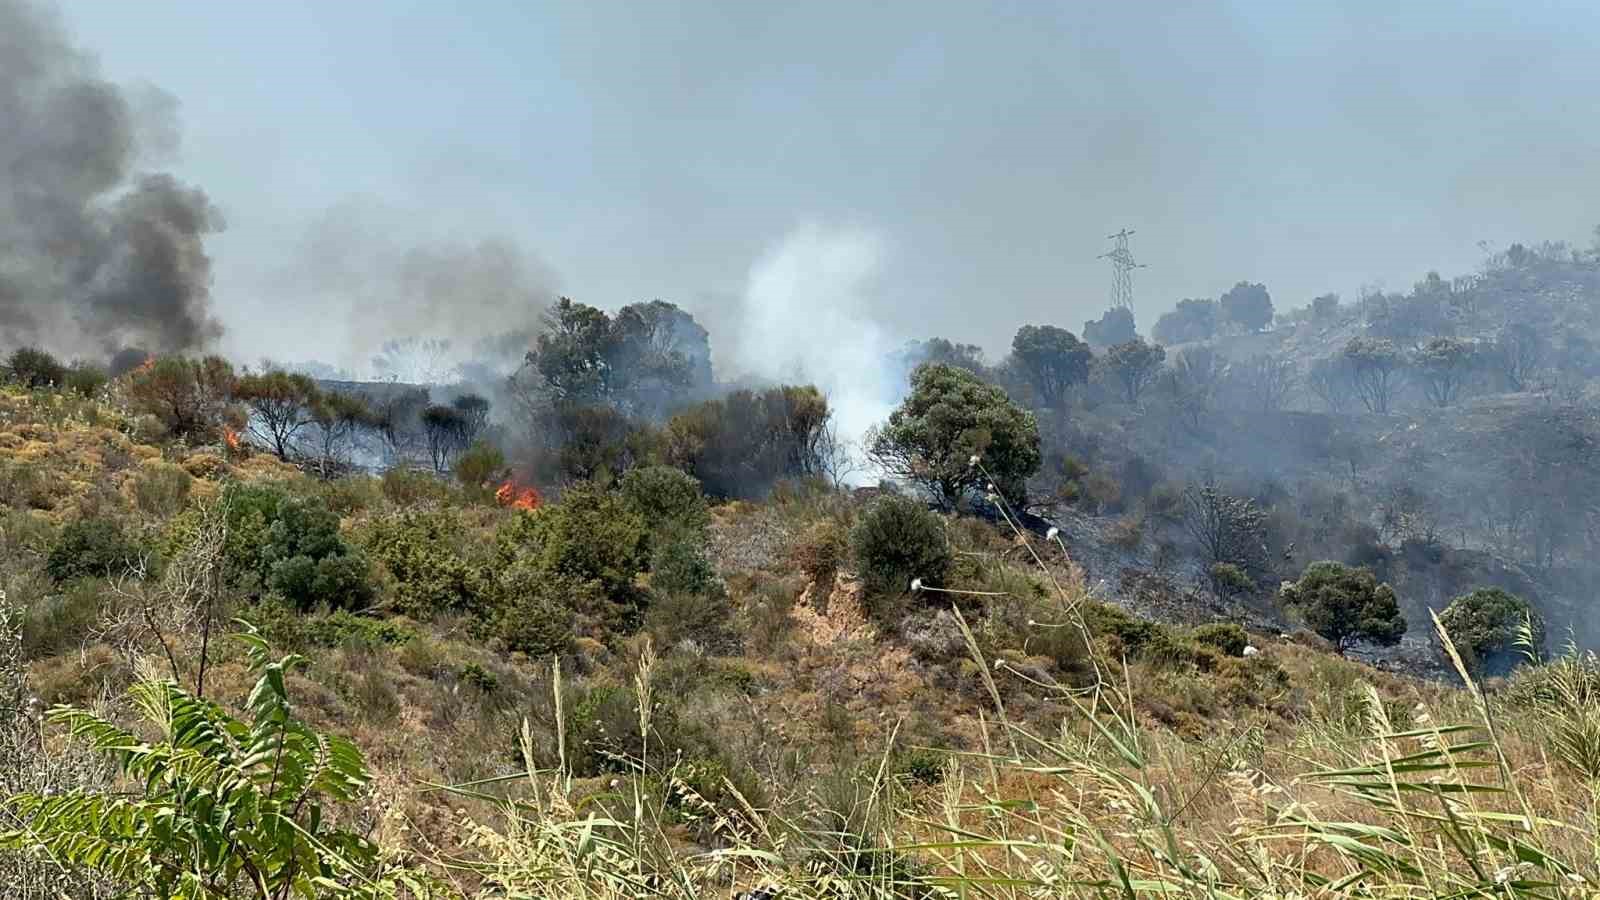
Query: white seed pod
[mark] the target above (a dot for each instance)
(1052, 533)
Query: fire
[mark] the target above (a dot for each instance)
(516, 497)
(231, 438)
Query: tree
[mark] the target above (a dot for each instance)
(190, 396)
(1520, 352)
(1486, 627)
(1133, 366)
(219, 807)
(1189, 321)
(1246, 306)
(474, 410)
(34, 368)
(739, 445)
(1193, 382)
(940, 350)
(1345, 605)
(337, 418)
(1051, 360)
(1374, 371)
(949, 417)
(1266, 380)
(1228, 529)
(280, 405)
(397, 419)
(445, 428)
(640, 362)
(1325, 307)
(1115, 326)
(1332, 381)
(1443, 368)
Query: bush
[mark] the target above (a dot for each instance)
(86, 381)
(667, 498)
(61, 621)
(680, 566)
(308, 563)
(34, 368)
(92, 548)
(898, 540)
(405, 486)
(1345, 605)
(535, 613)
(590, 535)
(422, 552)
(478, 465)
(821, 551)
(1486, 625)
(161, 489)
(1225, 636)
(699, 617)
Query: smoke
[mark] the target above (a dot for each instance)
(95, 254)
(803, 319)
(410, 304)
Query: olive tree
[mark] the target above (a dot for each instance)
(1345, 605)
(949, 417)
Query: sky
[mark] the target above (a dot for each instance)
(978, 152)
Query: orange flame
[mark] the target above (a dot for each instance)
(148, 364)
(231, 438)
(510, 494)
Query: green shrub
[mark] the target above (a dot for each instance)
(161, 489)
(92, 548)
(479, 677)
(1225, 636)
(535, 609)
(34, 368)
(405, 486)
(423, 554)
(700, 617)
(1228, 579)
(1344, 605)
(1486, 625)
(478, 465)
(667, 498)
(86, 381)
(303, 556)
(680, 566)
(590, 535)
(899, 540)
(61, 621)
(919, 764)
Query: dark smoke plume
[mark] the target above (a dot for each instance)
(95, 255)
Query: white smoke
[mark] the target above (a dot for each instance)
(804, 319)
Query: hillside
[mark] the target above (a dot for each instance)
(770, 719)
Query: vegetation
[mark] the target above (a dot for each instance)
(1345, 605)
(950, 419)
(1492, 629)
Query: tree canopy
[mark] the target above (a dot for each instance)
(1345, 605)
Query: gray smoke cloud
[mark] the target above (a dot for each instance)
(394, 298)
(95, 254)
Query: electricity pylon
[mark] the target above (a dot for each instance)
(1122, 266)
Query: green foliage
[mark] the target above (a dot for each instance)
(283, 624)
(406, 486)
(741, 444)
(61, 620)
(1225, 636)
(1246, 306)
(1345, 605)
(667, 498)
(280, 404)
(190, 396)
(1228, 579)
(591, 534)
(422, 552)
(92, 548)
(219, 804)
(1486, 626)
(535, 610)
(822, 550)
(678, 565)
(85, 380)
(34, 368)
(1051, 359)
(1132, 366)
(1115, 326)
(307, 561)
(919, 764)
(161, 489)
(949, 417)
(478, 465)
(899, 540)
(1189, 321)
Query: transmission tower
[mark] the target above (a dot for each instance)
(1122, 266)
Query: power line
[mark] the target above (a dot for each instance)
(1122, 266)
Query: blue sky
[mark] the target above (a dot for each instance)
(626, 151)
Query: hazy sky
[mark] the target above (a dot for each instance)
(655, 149)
